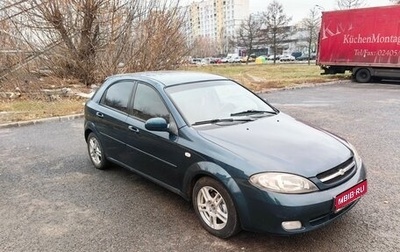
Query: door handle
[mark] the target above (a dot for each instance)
(131, 128)
(99, 114)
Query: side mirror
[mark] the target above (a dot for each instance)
(157, 124)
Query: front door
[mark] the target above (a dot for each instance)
(158, 154)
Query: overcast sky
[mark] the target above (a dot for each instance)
(299, 9)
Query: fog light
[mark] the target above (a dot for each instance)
(291, 225)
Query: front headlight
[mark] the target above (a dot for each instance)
(357, 157)
(282, 183)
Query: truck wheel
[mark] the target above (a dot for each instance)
(363, 75)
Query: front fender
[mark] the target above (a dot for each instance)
(205, 168)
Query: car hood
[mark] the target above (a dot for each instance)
(280, 143)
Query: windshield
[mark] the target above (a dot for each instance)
(214, 101)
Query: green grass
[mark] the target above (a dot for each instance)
(266, 76)
(256, 77)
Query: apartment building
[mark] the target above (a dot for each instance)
(215, 20)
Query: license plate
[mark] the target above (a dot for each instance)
(350, 195)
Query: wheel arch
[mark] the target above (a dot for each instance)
(214, 171)
(89, 128)
(87, 132)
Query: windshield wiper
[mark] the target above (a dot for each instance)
(213, 121)
(252, 112)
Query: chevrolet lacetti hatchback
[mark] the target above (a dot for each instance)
(240, 161)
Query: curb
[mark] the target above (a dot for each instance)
(43, 120)
(300, 86)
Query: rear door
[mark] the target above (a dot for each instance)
(111, 115)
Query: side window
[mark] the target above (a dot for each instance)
(117, 96)
(147, 103)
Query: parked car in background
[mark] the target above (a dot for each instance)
(306, 57)
(204, 61)
(241, 162)
(215, 60)
(224, 60)
(287, 58)
(296, 54)
(271, 57)
(195, 60)
(235, 59)
(251, 58)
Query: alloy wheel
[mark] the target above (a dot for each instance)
(212, 208)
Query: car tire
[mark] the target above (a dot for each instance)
(215, 208)
(96, 152)
(363, 75)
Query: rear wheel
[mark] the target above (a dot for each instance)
(96, 152)
(363, 75)
(215, 208)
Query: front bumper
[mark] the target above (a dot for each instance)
(265, 211)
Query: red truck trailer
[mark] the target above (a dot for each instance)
(364, 41)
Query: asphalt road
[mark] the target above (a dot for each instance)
(52, 199)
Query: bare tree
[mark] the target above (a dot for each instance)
(13, 50)
(9, 47)
(395, 1)
(350, 4)
(225, 43)
(89, 39)
(222, 41)
(204, 47)
(249, 33)
(276, 23)
(158, 41)
(312, 24)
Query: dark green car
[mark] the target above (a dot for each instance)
(242, 163)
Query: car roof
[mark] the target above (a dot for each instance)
(169, 78)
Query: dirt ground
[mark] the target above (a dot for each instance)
(25, 97)
(32, 85)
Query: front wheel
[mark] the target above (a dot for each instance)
(215, 209)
